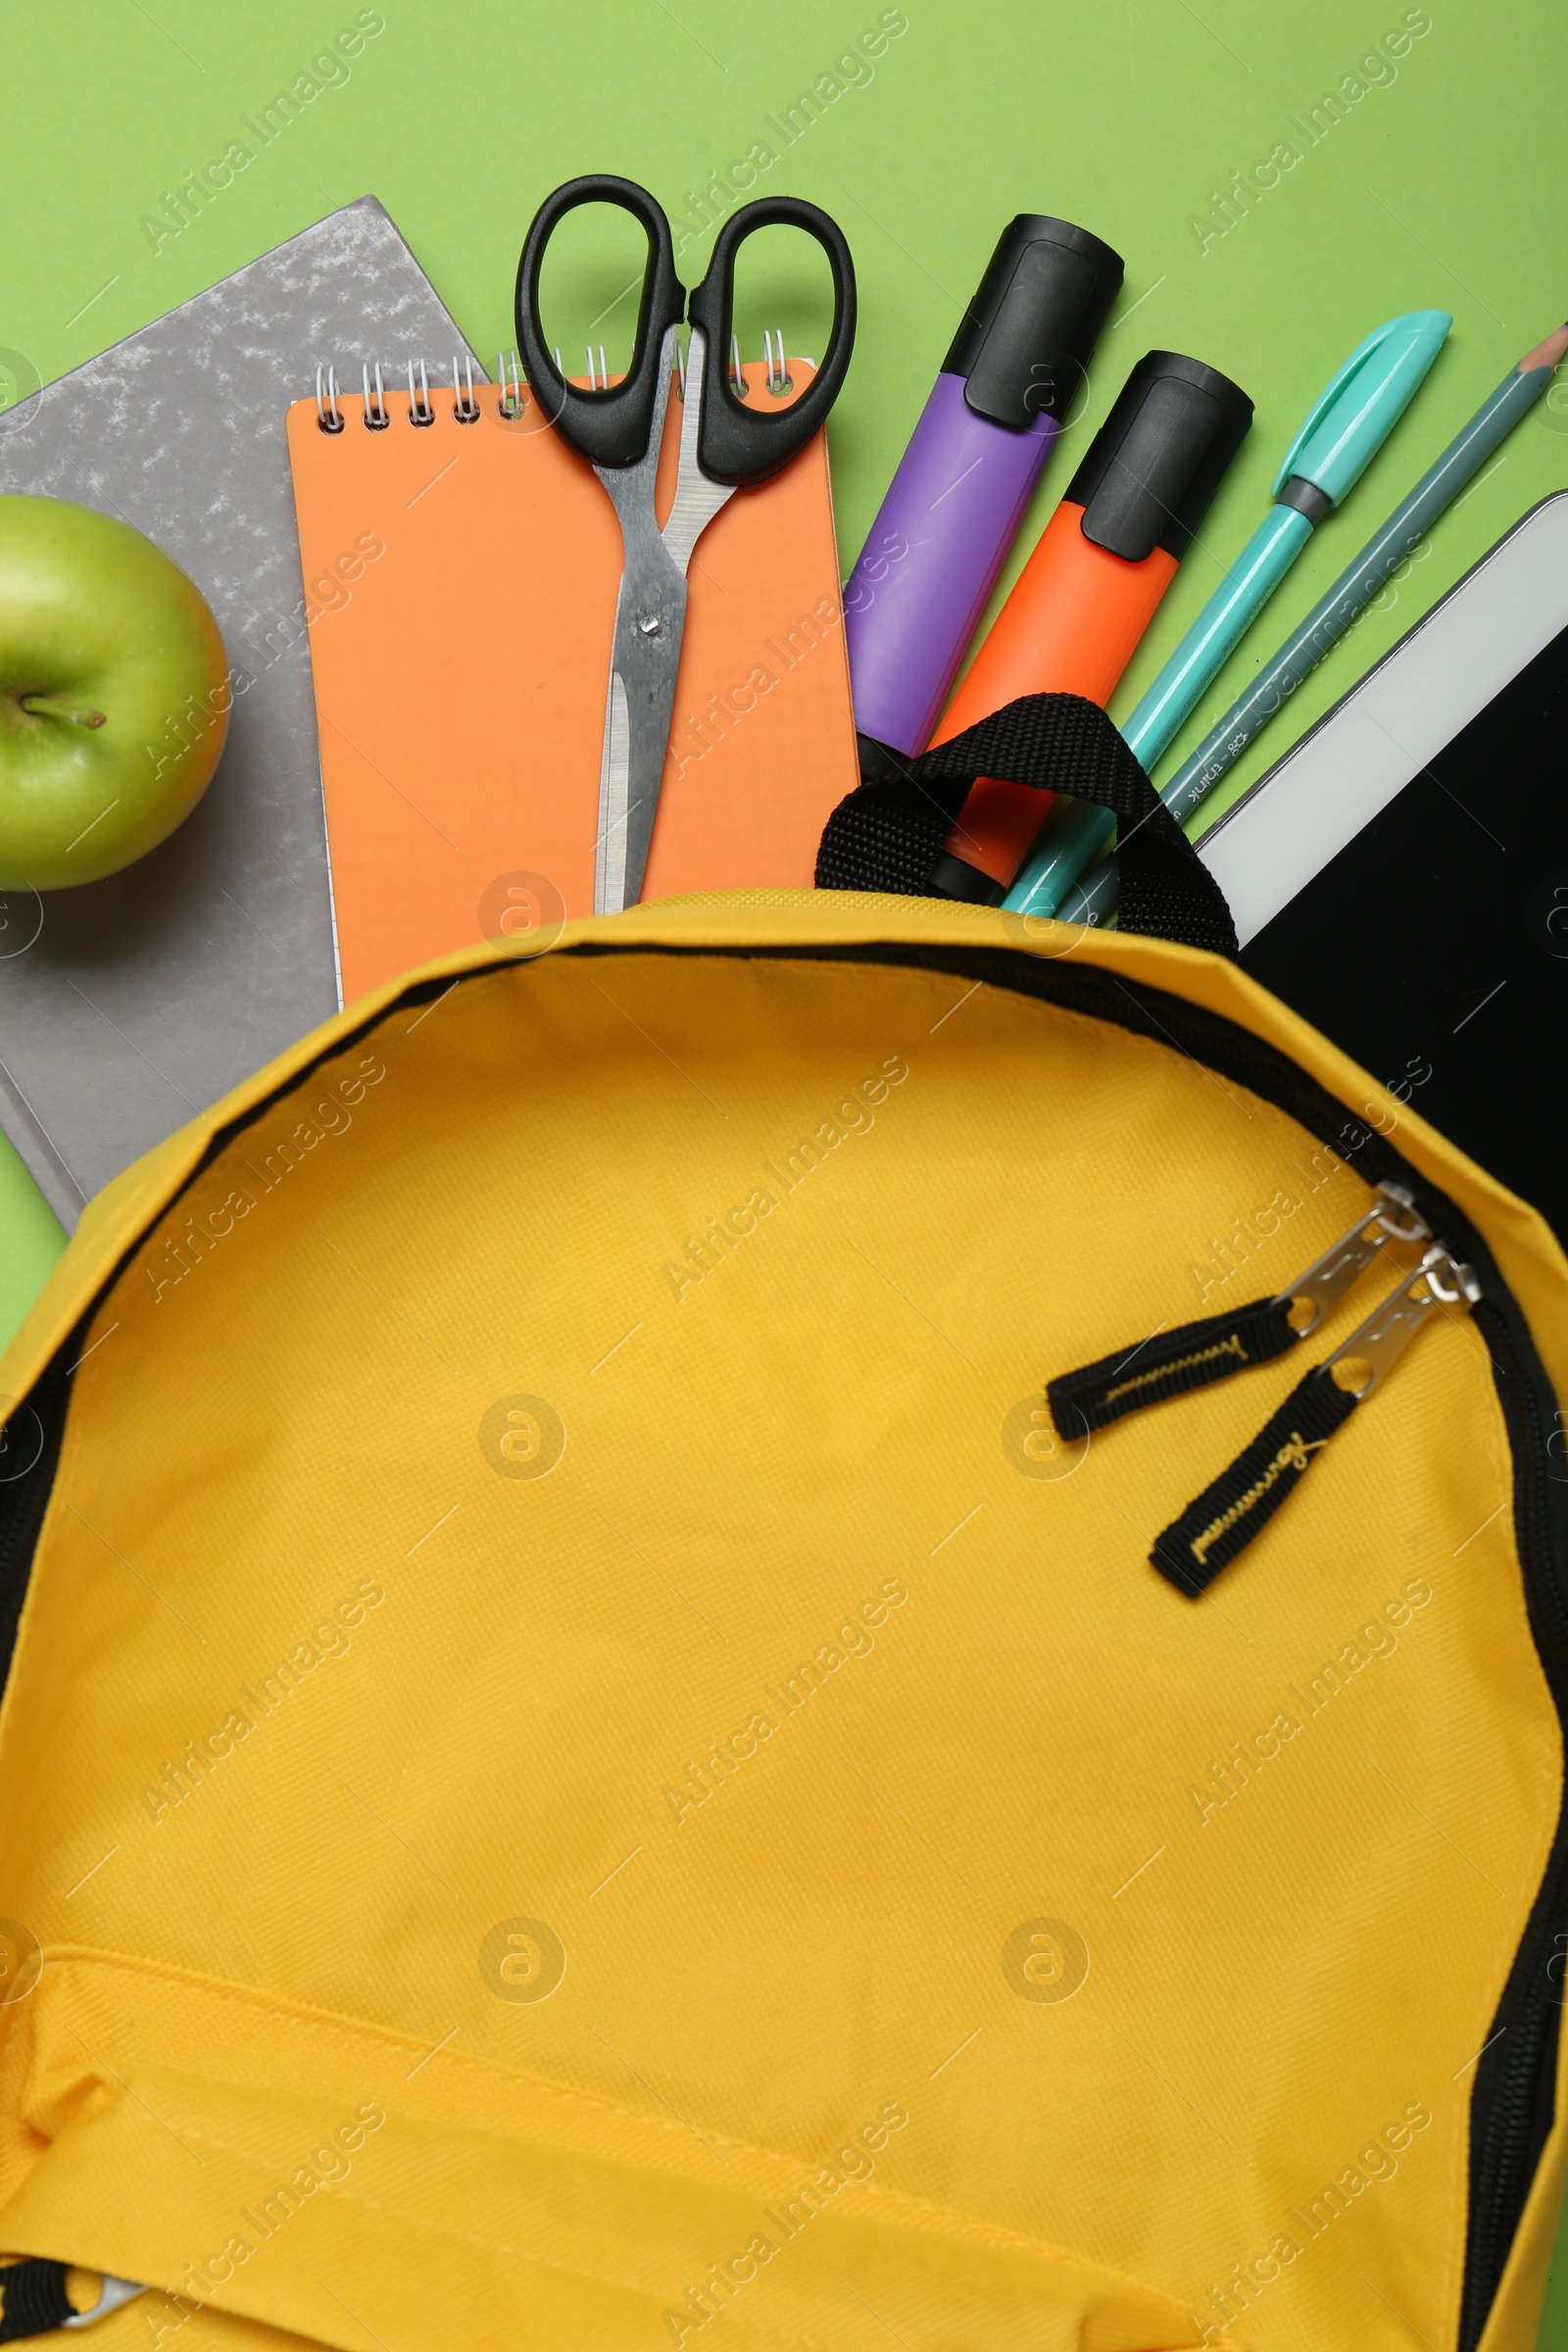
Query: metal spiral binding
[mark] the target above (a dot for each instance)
(420, 412)
(377, 415)
(779, 380)
(328, 416)
(514, 398)
(776, 373)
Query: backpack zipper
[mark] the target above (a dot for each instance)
(25, 1490)
(1194, 1355)
(1222, 1521)
(1513, 2103)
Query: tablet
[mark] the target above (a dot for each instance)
(1400, 877)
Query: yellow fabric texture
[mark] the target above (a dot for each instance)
(571, 1790)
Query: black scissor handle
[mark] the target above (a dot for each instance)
(734, 443)
(614, 427)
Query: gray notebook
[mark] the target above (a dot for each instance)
(130, 1005)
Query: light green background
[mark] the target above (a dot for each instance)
(1436, 187)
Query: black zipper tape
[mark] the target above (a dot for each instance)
(1172, 1364)
(31, 1447)
(1223, 1520)
(1512, 2105)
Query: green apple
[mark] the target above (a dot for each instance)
(115, 694)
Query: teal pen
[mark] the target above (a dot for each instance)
(1348, 422)
(1091, 902)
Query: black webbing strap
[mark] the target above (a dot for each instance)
(1170, 1364)
(1228, 1514)
(33, 2299)
(889, 834)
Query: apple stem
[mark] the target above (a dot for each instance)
(41, 704)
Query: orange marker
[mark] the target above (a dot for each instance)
(1090, 590)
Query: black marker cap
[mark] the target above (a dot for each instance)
(1160, 457)
(1026, 337)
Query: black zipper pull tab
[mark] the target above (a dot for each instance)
(1228, 1514)
(1196, 1354)
(1169, 1365)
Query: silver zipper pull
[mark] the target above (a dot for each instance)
(1391, 1217)
(111, 2294)
(1439, 1280)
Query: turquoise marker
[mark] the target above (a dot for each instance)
(1349, 421)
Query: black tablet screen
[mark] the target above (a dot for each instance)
(1435, 947)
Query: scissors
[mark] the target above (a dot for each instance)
(722, 445)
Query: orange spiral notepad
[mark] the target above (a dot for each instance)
(459, 584)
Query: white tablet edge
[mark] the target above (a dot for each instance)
(1425, 689)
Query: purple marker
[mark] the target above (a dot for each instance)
(952, 511)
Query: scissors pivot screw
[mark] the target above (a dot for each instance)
(650, 625)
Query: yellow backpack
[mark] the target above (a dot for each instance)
(588, 1764)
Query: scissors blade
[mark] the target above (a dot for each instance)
(697, 497)
(614, 771)
(645, 662)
